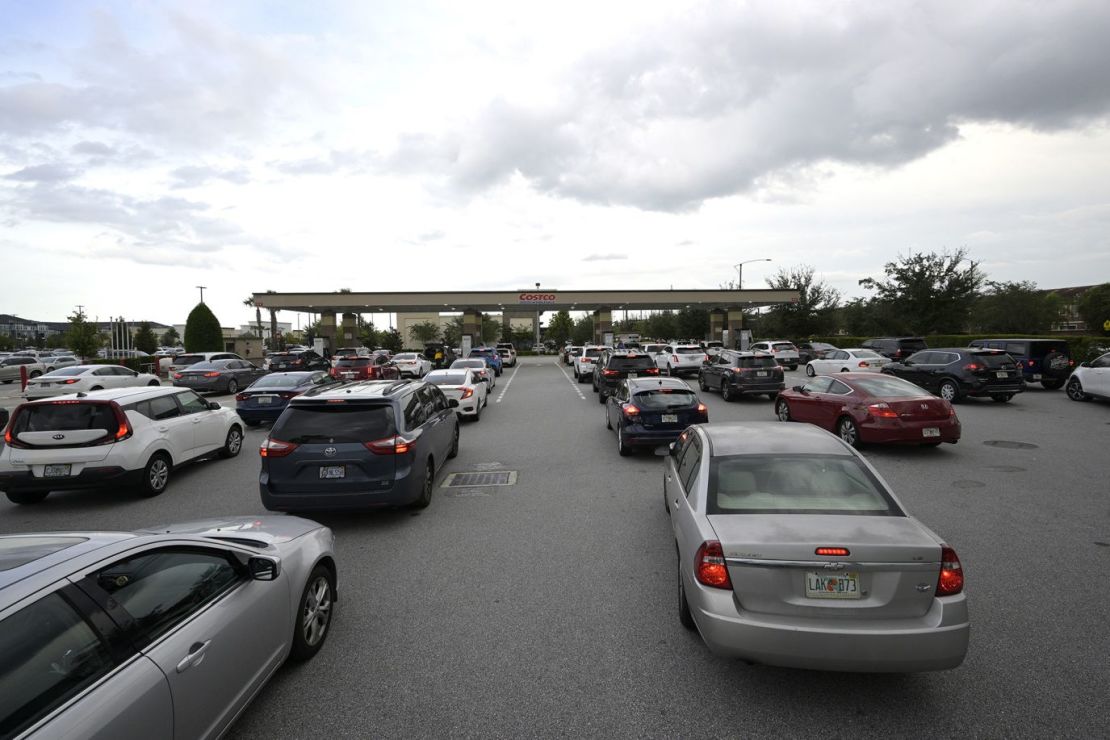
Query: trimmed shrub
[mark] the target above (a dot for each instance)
(202, 331)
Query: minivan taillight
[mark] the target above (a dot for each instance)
(710, 568)
(276, 448)
(951, 579)
(395, 445)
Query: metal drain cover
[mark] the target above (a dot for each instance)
(479, 480)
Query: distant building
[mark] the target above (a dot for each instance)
(1070, 320)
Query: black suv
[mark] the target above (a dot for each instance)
(616, 365)
(739, 373)
(359, 445)
(896, 348)
(1044, 361)
(281, 362)
(955, 373)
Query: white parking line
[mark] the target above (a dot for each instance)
(573, 383)
(507, 384)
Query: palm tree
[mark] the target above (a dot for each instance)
(249, 301)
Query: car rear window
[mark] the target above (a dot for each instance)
(795, 484)
(912, 345)
(354, 362)
(640, 362)
(186, 360)
(994, 360)
(407, 356)
(64, 417)
(593, 353)
(334, 423)
(664, 398)
(888, 386)
(446, 378)
(689, 351)
(784, 346)
(65, 371)
(756, 362)
(1040, 349)
(468, 363)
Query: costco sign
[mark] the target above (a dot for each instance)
(534, 298)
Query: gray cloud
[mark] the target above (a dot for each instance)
(746, 98)
(92, 148)
(53, 172)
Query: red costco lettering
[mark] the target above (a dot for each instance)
(537, 297)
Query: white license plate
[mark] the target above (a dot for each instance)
(670, 418)
(761, 374)
(333, 471)
(1002, 374)
(930, 432)
(632, 375)
(264, 400)
(822, 585)
(1036, 376)
(56, 471)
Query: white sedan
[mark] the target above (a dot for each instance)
(853, 360)
(58, 361)
(86, 378)
(412, 363)
(462, 385)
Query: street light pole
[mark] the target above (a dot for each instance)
(740, 270)
(202, 287)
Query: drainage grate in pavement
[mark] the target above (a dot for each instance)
(478, 480)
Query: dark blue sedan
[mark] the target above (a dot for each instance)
(650, 412)
(491, 356)
(267, 397)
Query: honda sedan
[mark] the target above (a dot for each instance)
(793, 551)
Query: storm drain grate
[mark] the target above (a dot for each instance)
(478, 480)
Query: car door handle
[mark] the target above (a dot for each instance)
(195, 656)
(163, 429)
(196, 419)
(676, 502)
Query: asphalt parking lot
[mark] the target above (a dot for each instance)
(548, 607)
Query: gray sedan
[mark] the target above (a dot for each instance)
(227, 376)
(793, 551)
(159, 633)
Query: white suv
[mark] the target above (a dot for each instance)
(508, 353)
(1090, 380)
(785, 353)
(134, 436)
(676, 359)
(585, 362)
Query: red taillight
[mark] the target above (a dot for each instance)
(951, 580)
(709, 566)
(973, 366)
(71, 381)
(837, 551)
(610, 373)
(123, 430)
(212, 374)
(395, 445)
(241, 396)
(675, 359)
(467, 392)
(863, 363)
(287, 394)
(630, 410)
(177, 376)
(702, 408)
(706, 358)
(882, 411)
(651, 371)
(276, 448)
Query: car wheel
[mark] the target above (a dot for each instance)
(701, 383)
(782, 410)
(623, 449)
(156, 475)
(772, 396)
(1053, 384)
(847, 430)
(1002, 397)
(154, 383)
(26, 497)
(233, 444)
(455, 442)
(793, 367)
(315, 611)
(600, 397)
(726, 393)
(685, 618)
(426, 493)
(232, 386)
(810, 372)
(948, 391)
(6, 382)
(34, 374)
(1075, 391)
(670, 370)
(478, 413)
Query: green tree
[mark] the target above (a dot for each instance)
(145, 341)
(170, 337)
(692, 323)
(249, 301)
(662, 325)
(522, 337)
(930, 293)
(583, 330)
(202, 331)
(392, 340)
(82, 336)
(491, 329)
(1094, 308)
(813, 314)
(368, 334)
(6, 342)
(452, 333)
(1016, 308)
(425, 331)
(560, 328)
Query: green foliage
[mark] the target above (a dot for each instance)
(522, 337)
(392, 340)
(425, 331)
(6, 342)
(583, 332)
(202, 331)
(491, 329)
(452, 333)
(368, 334)
(1094, 308)
(145, 341)
(170, 337)
(815, 311)
(560, 328)
(692, 323)
(1080, 347)
(662, 325)
(82, 336)
(1020, 308)
(929, 292)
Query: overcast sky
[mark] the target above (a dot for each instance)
(148, 147)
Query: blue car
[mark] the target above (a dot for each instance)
(651, 412)
(265, 398)
(491, 356)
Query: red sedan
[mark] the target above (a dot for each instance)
(364, 368)
(867, 407)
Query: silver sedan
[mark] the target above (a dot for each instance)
(793, 551)
(160, 633)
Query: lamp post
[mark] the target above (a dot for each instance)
(740, 270)
(202, 287)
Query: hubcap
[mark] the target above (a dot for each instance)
(159, 474)
(232, 387)
(317, 611)
(810, 371)
(947, 391)
(234, 441)
(784, 411)
(848, 432)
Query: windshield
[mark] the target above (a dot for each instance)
(995, 360)
(65, 371)
(330, 424)
(446, 378)
(867, 353)
(406, 357)
(186, 360)
(783, 346)
(218, 365)
(593, 352)
(63, 417)
(468, 363)
(689, 351)
(664, 398)
(795, 484)
(353, 362)
(763, 361)
(279, 379)
(640, 362)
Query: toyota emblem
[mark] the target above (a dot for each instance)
(59, 436)
(329, 451)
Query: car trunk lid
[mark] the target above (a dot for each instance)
(924, 408)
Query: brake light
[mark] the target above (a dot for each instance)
(212, 374)
(702, 408)
(123, 431)
(71, 381)
(467, 392)
(973, 366)
(631, 410)
(863, 363)
(241, 396)
(651, 371)
(587, 359)
(395, 445)
(610, 373)
(276, 448)
(882, 411)
(951, 580)
(709, 565)
(675, 359)
(177, 376)
(706, 358)
(835, 551)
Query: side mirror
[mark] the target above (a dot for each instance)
(212, 405)
(264, 569)
(452, 403)
(1084, 364)
(799, 389)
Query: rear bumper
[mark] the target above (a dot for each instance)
(935, 641)
(910, 432)
(992, 388)
(635, 436)
(259, 414)
(742, 388)
(92, 477)
(404, 491)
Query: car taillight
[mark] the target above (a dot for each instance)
(882, 411)
(288, 394)
(951, 580)
(276, 448)
(709, 565)
(702, 408)
(863, 363)
(177, 376)
(610, 373)
(630, 410)
(674, 358)
(71, 381)
(467, 392)
(838, 551)
(973, 366)
(706, 358)
(241, 396)
(212, 374)
(395, 445)
(123, 428)
(651, 371)
(586, 359)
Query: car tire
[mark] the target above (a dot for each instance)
(600, 397)
(1002, 397)
(782, 410)
(685, 618)
(702, 384)
(154, 383)
(949, 391)
(232, 387)
(622, 449)
(810, 372)
(478, 413)
(6, 382)
(670, 371)
(1052, 384)
(772, 396)
(1075, 392)
(425, 497)
(26, 497)
(34, 374)
(315, 612)
(233, 443)
(793, 367)
(847, 430)
(156, 475)
(454, 451)
(726, 394)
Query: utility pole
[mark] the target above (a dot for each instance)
(202, 287)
